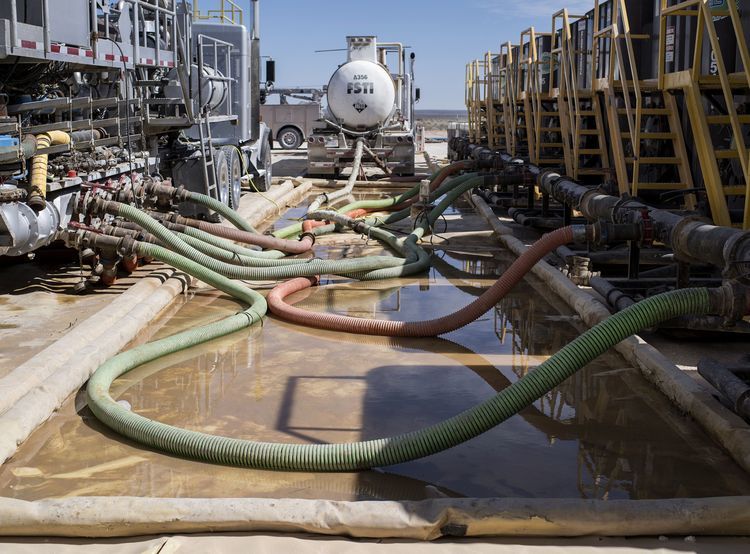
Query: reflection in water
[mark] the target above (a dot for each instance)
(603, 434)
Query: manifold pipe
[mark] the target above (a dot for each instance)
(692, 240)
(39, 163)
(346, 191)
(182, 195)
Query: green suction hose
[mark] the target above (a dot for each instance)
(302, 268)
(222, 209)
(373, 453)
(383, 203)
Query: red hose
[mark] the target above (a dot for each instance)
(431, 328)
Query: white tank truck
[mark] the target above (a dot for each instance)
(98, 95)
(367, 99)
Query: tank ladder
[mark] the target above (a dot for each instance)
(725, 167)
(649, 149)
(547, 149)
(469, 99)
(507, 97)
(495, 123)
(210, 174)
(581, 108)
(482, 76)
(525, 82)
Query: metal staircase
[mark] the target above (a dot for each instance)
(210, 172)
(526, 83)
(496, 137)
(547, 149)
(647, 140)
(505, 129)
(581, 114)
(712, 92)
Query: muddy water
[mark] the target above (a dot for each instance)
(603, 434)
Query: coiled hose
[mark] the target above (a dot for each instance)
(430, 328)
(373, 453)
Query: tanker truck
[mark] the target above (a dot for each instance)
(367, 99)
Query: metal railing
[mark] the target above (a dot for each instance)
(218, 51)
(228, 12)
(691, 82)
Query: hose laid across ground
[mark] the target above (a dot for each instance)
(402, 200)
(373, 453)
(304, 267)
(267, 242)
(430, 328)
(349, 187)
(220, 208)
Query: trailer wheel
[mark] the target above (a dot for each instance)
(222, 185)
(268, 166)
(289, 138)
(235, 175)
(223, 175)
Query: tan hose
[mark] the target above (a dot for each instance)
(267, 242)
(39, 165)
(515, 273)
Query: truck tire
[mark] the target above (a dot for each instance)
(289, 138)
(267, 158)
(222, 184)
(235, 175)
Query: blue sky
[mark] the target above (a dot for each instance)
(444, 35)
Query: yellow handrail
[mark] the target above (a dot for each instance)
(228, 12)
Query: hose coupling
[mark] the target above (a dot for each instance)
(495, 163)
(605, 232)
(128, 247)
(359, 226)
(547, 181)
(98, 207)
(583, 234)
(311, 236)
(731, 300)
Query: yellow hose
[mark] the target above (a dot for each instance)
(39, 162)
